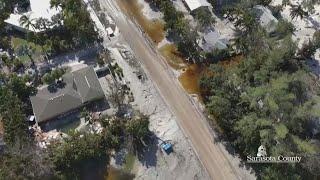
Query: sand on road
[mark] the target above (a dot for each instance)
(190, 120)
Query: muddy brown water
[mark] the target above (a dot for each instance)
(173, 56)
(154, 28)
(118, 174)
(190, 78)
(192, 73)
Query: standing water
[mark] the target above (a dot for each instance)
(154, 28)
(190, 78)
(192, 73)
(118, 174)
(173, 56)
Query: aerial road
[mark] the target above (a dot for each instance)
(190, 120)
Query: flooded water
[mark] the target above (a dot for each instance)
(154, 28)
(192, 74)
(190, 78)
(117, 174)
(173, 57)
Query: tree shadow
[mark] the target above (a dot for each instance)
(154, 7)
(93, 169)
(53, 88)
(148, 154)
(314, 66)
(120, 157)
(99, 105)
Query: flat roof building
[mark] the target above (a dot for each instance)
(38, 9)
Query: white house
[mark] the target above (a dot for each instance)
(195, 4)
(38, 9)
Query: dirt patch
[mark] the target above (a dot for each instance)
(233, 61)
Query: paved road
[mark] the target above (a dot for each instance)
(192, 122)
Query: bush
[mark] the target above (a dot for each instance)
(73, 158)
(283, 29)
(218, 55)
(49, 78)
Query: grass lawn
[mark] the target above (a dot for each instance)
(129, 162)
(16, 42)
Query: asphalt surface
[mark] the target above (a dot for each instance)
(190, 120)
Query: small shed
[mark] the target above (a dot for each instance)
(31, 118)
(110, 31)
(195, 4)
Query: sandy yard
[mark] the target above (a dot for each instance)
(304, 27)
(182, 163)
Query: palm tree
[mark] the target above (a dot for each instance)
(265, 2)
(29, 51)
(56, 20)
(6, 61)
(297, 11)
(47, 49)
(285, 3)
(86, 115)
(242, 20)
(55, 3)
(26, 22)
(42, 24)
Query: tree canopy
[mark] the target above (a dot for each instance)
(269, 98)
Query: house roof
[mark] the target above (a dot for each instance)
(213, 40)
(265, 17)
(195, 4)
(39, 9)
(80, 86)
(87, 84)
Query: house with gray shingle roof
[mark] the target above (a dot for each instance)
(79, 87)
(212, 41)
